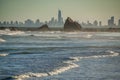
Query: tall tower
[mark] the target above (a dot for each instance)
(100, 23)
(59, 16)
(112, 20)
(60, 19)
(119, 22)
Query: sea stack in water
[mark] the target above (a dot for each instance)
(71, 25)
(44, 28)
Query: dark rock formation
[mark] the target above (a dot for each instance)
(71, 25)
(10, 28)
(44, 28)
(13, 28)
(2, 28)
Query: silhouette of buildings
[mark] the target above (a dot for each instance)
(29, 23)
(89, 24)
(57, 23)
(111, 22)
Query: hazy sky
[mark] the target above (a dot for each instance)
(81, 10)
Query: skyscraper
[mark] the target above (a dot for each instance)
(119, 22)
(111, 21)
(95, 23)
(59, 15)
(60, 19)
(100, 23)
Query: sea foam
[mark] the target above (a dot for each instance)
(54, 72)
(2, 40)
(111, 54)
(8, 32)
(4, 54)
(70, 63)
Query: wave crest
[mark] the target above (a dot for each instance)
(4, 54)
(111, 54)
(54, 72)
(8, 32)
(70, 63)
(2, 40)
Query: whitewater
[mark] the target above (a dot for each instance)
(56, 55)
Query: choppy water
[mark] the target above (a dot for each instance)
(59, 55)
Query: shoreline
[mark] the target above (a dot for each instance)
(60, 29)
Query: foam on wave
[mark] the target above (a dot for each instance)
(2, 40)
(4, 54)
(70, 63)
(8, 32)
(88, 36)
(111, 54)
(59, 34)
(54, 72)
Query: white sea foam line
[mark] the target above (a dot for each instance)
(15, 33)
(88, 36)
(112, 54)
(54, 72)
(63, 69)
(8, 32)
(2, 40)
(4, 54)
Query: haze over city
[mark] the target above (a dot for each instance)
(79, 10)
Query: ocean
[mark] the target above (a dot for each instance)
(56, 55)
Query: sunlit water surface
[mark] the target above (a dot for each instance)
(59, 55)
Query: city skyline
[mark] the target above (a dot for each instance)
(37, 23)
(79, 10)
(58, 23)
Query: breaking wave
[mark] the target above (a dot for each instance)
(4, 54)
(54, 72)
(8, 32)
(2, 40)
(58, 34)
(49, 34)
(70, 63)
(111, 54)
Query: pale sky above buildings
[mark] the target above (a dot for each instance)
(81, 10)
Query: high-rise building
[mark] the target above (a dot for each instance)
(111, 21)
(59, 16)
(60, 19)
(119, 22)
(95, 23)
(100, 23)
(37, 23)
(29, 23)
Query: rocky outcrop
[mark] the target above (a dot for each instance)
(71, 25)
(44, 28)
(9, 28)
(2, 28)
(13, 28)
